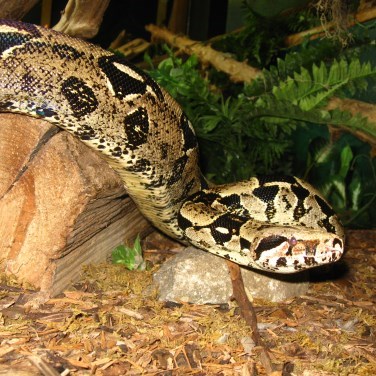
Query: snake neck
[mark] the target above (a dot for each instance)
(111, 106)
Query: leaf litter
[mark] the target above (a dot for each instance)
(111, 323)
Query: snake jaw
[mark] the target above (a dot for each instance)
(294, 254)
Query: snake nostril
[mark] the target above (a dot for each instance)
(337, 241)
(311, 249)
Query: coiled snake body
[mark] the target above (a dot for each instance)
(280, 224)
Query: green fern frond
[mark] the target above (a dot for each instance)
(310, 89)
(301, 96)
(273, 108)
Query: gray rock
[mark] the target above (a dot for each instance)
(196, 276)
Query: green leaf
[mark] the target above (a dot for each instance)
(355, 189)
(131, 258)
(311, 89)
(346, 158)
(339, 186)
(323, 155)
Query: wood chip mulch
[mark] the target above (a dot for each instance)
(112, 324)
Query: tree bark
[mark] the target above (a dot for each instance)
(61, 205)
(15, 10)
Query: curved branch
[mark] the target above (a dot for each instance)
(355, 107)
(242, 72)
(319, 31)
(237, 71)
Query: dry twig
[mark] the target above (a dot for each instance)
(249, 314)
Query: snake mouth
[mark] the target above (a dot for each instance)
(291, 255)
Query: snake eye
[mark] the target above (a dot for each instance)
(293, 242)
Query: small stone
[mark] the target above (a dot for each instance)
(248, 344)
(223, 338)
(199, 277)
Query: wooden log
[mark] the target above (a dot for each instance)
(61, 205)
(82, 18)
(15, 10)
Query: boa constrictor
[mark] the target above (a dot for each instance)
(279, 224)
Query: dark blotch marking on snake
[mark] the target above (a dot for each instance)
(28, 82)
(117, 152)
(281, 262)
(267, 194)
(45, 112)
(177, 170)
(29, 28)
(231, 201)
(11, 39)
(301, 194)
(264, 179)
(234, 205)
(310, 261)
(337, 241)
(32, 48)
(226, 221)
(79, 95)
(4, 106)
(164, 148)
(207, 198)
(124, 86)
(86, 133)
(245, 244)
(328, 211)
(66, 52)
(190, 140)
(268, 243)
(183, 222)
(136, 127)
(139, 165)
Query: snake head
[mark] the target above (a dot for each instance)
(282, 226)
(287, 250)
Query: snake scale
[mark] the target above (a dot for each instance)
(280, 224)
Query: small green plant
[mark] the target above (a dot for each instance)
(234, 145)
(346, 174)
(130, 257)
